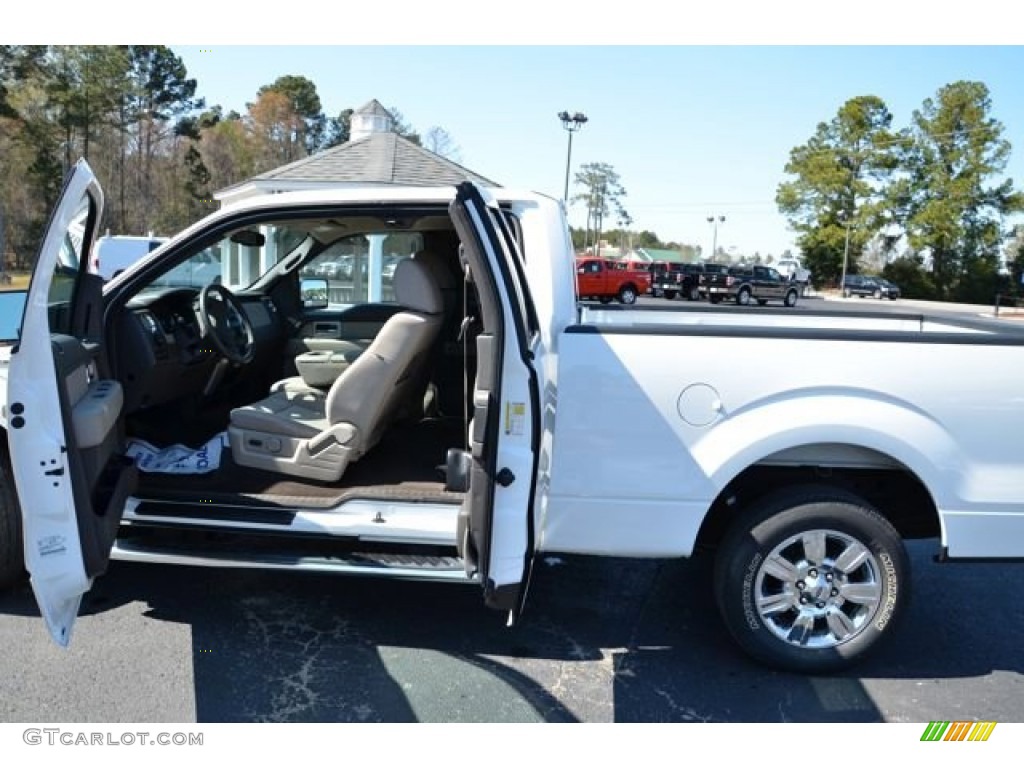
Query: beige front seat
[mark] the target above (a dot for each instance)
(314, 434)
(327, 365)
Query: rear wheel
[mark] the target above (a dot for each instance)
(670, 294)
(791, 297)
(743, 297)
(811, 580)
(12, 560)
(627, 294)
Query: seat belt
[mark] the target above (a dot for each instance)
(464, 338)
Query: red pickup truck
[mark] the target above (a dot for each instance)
(605, 280)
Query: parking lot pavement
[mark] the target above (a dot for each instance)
(602, 640)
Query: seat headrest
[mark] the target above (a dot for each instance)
(416, 289)
(439, 269)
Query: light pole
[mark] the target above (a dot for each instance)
(846, 258)
(713, 221)
(571, 123)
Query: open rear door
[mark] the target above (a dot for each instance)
(63, 417)
(496, 531)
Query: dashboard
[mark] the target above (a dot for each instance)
(173, 328)
(160, 351)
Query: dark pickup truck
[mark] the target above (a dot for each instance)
(747, 284)
(671, 280)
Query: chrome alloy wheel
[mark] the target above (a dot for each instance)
(818, 589)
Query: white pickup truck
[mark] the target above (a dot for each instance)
(481, 418)
(794, 270)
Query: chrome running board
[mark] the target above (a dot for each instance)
(376, 564)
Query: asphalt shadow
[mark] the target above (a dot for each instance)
(601, 640)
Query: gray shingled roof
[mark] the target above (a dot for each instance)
(380, 158)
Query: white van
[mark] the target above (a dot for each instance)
(115, 253)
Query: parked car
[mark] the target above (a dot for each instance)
(387, 272)
(856, 285)
(115, 253)
(793, 270)
(678, 280)
(756, 283)
(605, 280)
(868, 285)
(710, 268)
(888, 289)
(653, 269)
(329, 269)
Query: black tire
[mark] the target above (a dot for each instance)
(627, 294)
(694, 294)
(12, 556)
(743, 297)
(791, 297)
(840, 540)
(670, 295)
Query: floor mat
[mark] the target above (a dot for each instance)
(404, 465)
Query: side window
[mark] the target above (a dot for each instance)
(514, 256)
(360, 268)
(68, 267)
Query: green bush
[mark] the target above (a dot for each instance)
(980, 283)
(910, 276)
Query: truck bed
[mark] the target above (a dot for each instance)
(776, 321)
(660, 411)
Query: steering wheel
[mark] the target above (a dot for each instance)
(223, 321)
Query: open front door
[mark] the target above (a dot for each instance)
(496, 531)
(63, 418)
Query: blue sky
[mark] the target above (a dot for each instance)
(692, 131)
(696, 107)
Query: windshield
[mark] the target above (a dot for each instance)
(237, 260)
(349, 268)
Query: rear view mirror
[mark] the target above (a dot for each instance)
(249, 237)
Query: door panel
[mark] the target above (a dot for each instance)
(64, 419)
(495, 520)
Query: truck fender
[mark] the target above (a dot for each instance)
(870, 420)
